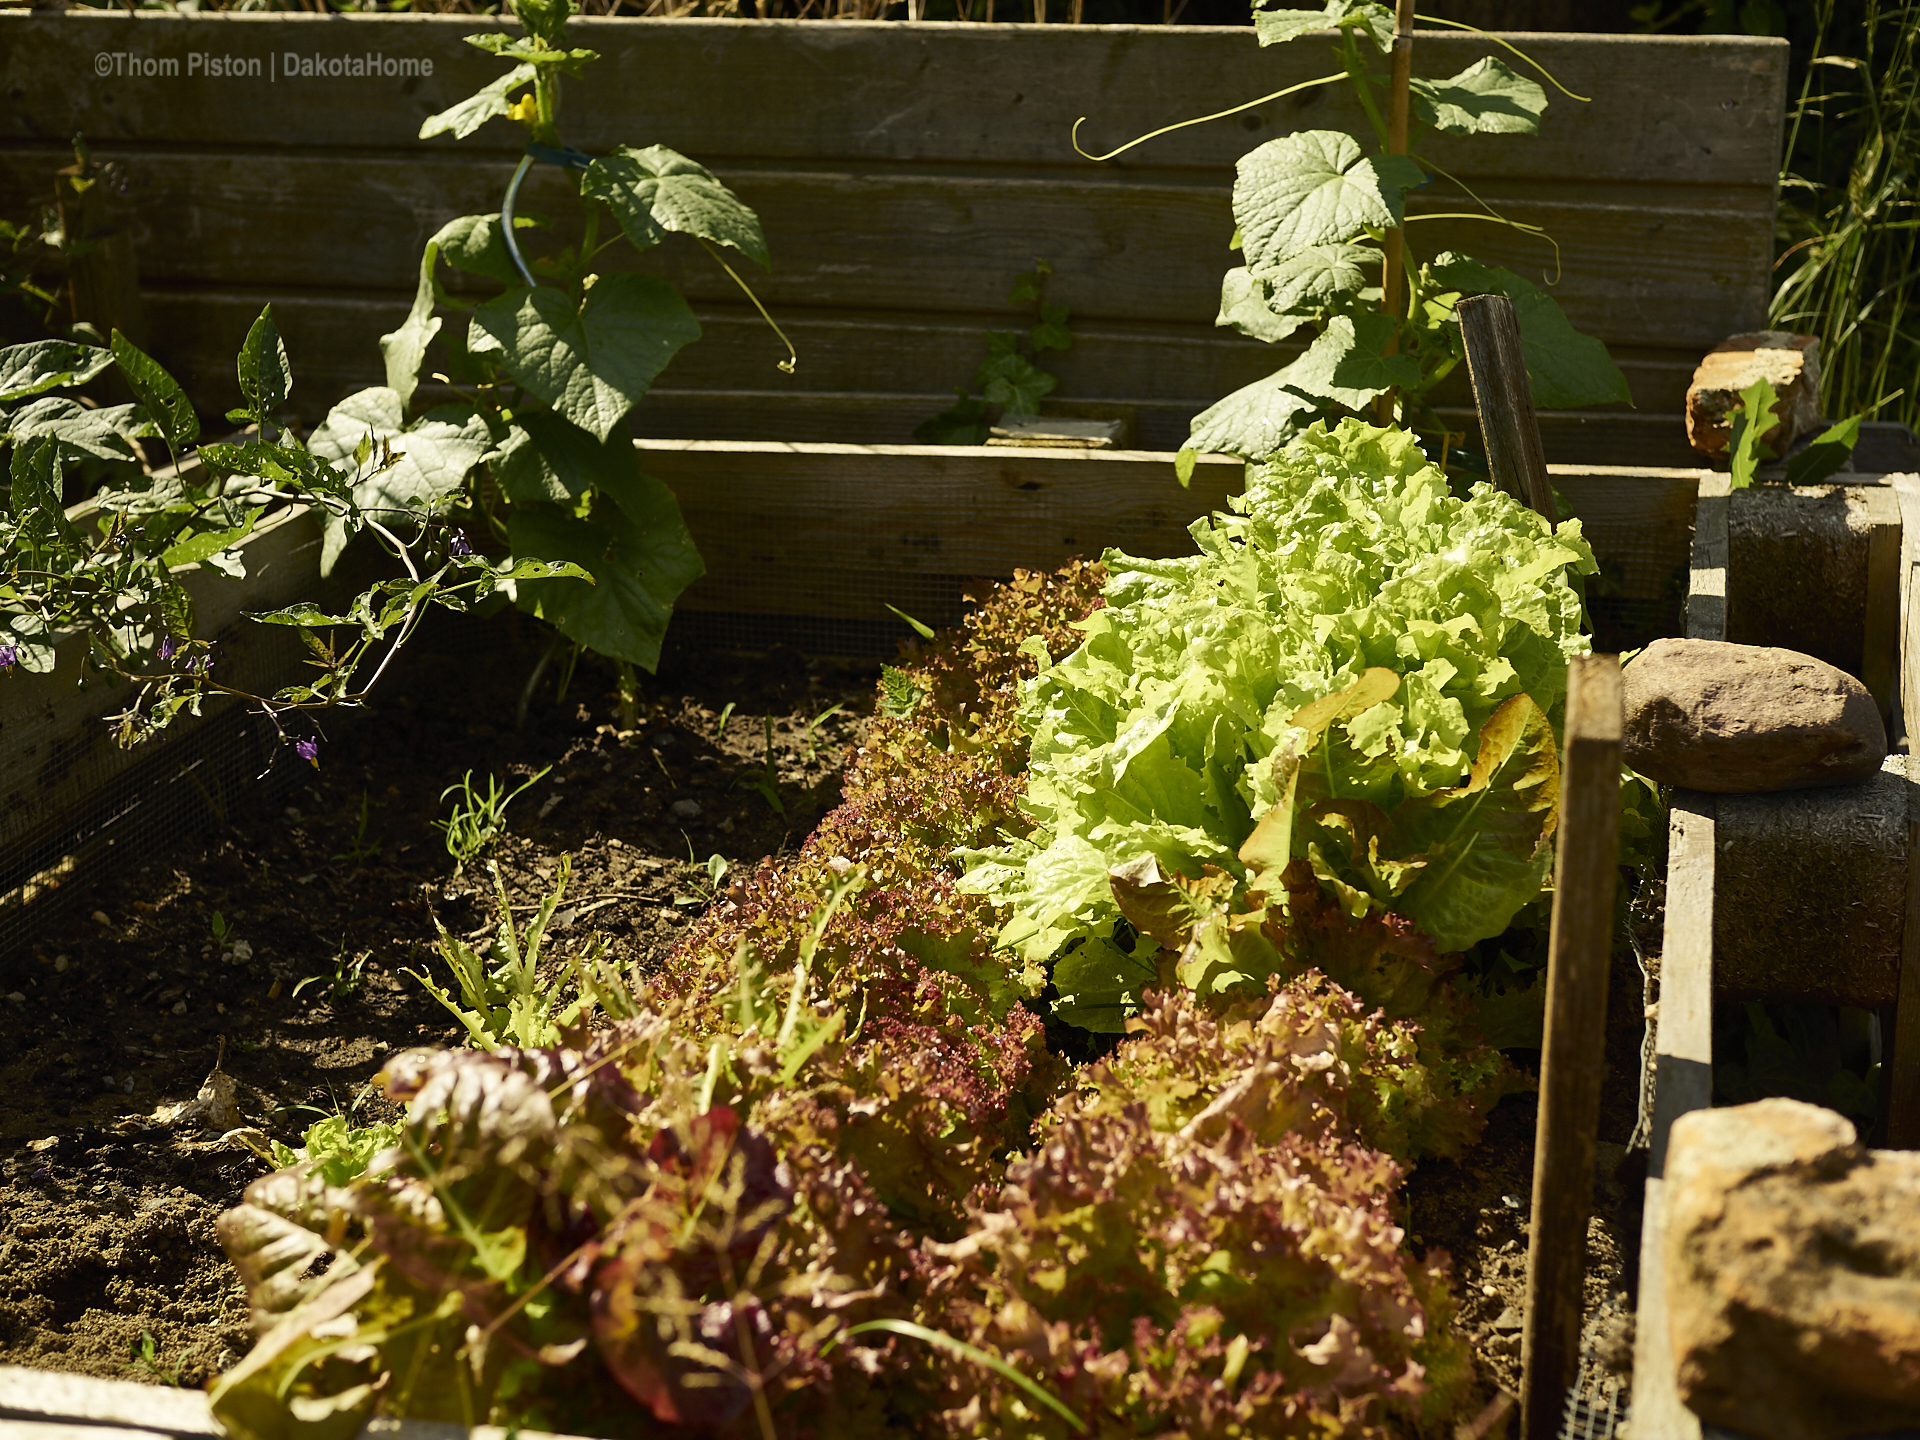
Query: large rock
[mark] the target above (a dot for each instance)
(1788, 362)
(1712, 715)
(1793, 1273)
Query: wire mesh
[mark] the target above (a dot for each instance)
(105, 813)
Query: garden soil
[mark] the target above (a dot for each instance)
(276, 947)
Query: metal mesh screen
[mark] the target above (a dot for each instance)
(110, 813)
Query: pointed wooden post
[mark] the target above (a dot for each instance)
(1504, 397)
(1580, 949)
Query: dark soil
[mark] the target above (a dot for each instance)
(323, 897)
(106, 1219)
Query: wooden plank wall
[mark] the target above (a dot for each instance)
(904, 173)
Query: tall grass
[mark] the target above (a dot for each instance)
(1849, 215)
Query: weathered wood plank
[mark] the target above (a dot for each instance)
(862, 379)
(841, 530)
(1683, 1071)
(60, 750)
(923, 242)
(1695, 109)
(844, 530)
(1573, 1061)
(51, 1398)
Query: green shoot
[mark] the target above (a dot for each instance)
(479, 818)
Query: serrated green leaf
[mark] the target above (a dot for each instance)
(1244, 307)
(511, 47)
(471, 113)
(636, 547)
(546, 19)
(1567, 369)
(1254, 421)
(43, 365)
(1486, 98)
(165, 402)
(1347, 364)
(1319, 278)
(266, 380)
(1311, 188)
(1010, 380)
(655, 190)
(434, 456)
(899, 695)
(1375, 21)
(591, 364)
(1748, 424)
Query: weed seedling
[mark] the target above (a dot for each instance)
(706, 880)
(359, 849)
(766, 782)
(478, 818)
(814, 724)
(144, 1355)
(346, 977)
(217, 926)
(720, 725)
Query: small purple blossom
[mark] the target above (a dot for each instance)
(167, 647)
(309, 751)
(457, 544)
(9, 657)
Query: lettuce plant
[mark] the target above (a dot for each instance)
(1353, 682)
(819, 1177)
(548, 366)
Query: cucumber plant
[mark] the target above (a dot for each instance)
(1320, 225)
(546, 368)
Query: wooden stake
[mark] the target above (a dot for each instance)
(1393, 268)
(1580, 947)
(1505, 401)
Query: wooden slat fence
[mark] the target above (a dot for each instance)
(904, 173)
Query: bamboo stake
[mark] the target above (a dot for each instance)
(1504, 398)
(1580, 948)
(1399, 98)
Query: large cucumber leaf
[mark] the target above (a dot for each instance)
(593, 362)
(1311, 188)
(655, 190)
(641, 556)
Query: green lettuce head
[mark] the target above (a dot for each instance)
(1355, 682)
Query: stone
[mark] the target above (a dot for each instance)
(1733, 719)
(1789, 362)
(1792, 1273)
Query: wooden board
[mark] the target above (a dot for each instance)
(842, 530)
(1683, 1025)
(904, 173)
(57, 745)
(49, 1405)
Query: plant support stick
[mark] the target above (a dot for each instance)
(1504, 399)
(1580, 947)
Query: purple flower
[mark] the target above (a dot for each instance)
(167, 647)
(309, 751)
(458, 545)
(9, 657)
